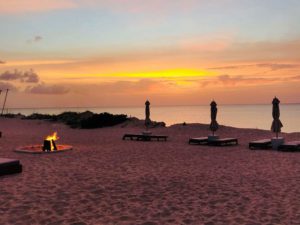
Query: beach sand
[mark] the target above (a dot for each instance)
(106, 180)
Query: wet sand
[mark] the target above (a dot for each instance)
(105, 180)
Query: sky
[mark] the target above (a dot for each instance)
(89, 53)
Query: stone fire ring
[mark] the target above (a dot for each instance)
(38, 149)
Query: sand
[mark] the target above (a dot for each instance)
(105, 180)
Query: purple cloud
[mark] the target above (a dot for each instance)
(47, 89)
(272, 66)
(278, 66)
(5, 85)
(228, 80)
(25, 77)
(35, 39)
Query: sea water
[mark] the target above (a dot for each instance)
(242, 116)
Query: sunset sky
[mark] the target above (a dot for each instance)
(83, 53)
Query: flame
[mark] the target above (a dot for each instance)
(51, 138)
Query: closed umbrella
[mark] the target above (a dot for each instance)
(213, 115)
(147, 114)
(276, 124)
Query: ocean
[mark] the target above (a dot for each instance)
(242, 116)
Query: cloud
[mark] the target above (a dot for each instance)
(269, 56)
(5, 85)
(227, 80)
(2, 62)
(52, 89)
(264, 50)
(137, 6)
(294, 78)
(35, 39)
(229, 67)
(213, 42)
(28, 6)
(272, 66)
(123, 6)
(278, 66)
(25, 6)
(25, 77)
(123, 86)
(28, 78)
(234, 80)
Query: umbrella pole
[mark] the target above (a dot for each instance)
(4, 102)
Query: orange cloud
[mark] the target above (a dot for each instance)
(246, 81)
(272, 66)
(138, 6)
(25, 6)
(212, 44)
(52, 89)
(129, 6)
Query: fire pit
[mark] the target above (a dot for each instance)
(49, 146)
(49, 143)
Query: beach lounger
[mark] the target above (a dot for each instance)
(9, 166)
(223, 142)
(198, 141)
(215, 142)
(260, 144)
(142, 137)
(292, 146)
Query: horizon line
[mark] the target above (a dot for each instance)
(139, 106)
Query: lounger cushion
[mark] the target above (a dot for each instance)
(142, 137)
(223, 141)
(8, 162)
(9, 166)
(198, 140)
(260, 144)
(290, 146)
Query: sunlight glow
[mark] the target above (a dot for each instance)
(173, 73)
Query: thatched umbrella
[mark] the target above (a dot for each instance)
(213, 115)
(276, 124)
(147, 114)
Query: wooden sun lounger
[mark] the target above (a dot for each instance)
(216, 142)
(260, 144)
(198, 141)
(223, 142)
(142, 137)
(292, 146)
(10, 166)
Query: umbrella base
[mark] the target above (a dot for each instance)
(276, 142)
(147, 133)
(212, 137)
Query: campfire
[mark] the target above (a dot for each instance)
(49, 146)
(49, 142)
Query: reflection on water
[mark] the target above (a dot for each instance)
(244, 116)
